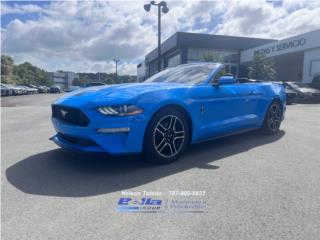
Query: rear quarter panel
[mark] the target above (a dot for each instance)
(272, 91)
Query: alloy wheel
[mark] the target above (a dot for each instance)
(274, 117)
(169, 136)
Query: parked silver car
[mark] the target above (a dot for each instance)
(6, 91)
(305, 93)
(29, 90)
(15, 89)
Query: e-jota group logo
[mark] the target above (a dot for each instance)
(144, 204)
(126, 204)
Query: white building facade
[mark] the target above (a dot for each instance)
(296, 58)
(141, 72)
(64, 79)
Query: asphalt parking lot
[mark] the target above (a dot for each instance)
(257, 187)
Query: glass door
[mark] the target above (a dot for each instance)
(233, 69)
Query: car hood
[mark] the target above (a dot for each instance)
(117, 92)
(308, 90)
(289, 90)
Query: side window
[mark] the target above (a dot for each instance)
(222, 72)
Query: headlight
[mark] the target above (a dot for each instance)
(120, 110)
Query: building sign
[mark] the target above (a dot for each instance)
(303, 42)
(295, 43)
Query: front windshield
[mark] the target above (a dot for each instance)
(189, 74)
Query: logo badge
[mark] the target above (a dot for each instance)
(63, 112)
(139, 205)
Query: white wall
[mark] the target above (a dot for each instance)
(71, 76)
(141, 72)
(309, 55)
(64, 78)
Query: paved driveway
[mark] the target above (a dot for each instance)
(257, 187)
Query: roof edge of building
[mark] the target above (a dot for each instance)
(220, 35)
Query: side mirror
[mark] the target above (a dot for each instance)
(226, 80)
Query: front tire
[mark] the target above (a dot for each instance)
(273, 118)
(166, 137)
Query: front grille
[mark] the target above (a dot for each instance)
(69, 115)
(76, 140)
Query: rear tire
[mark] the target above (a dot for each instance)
(167, 136)
(273, 118)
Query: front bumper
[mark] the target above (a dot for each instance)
(57, 139)
(71, 136)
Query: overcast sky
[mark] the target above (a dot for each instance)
(85, 36)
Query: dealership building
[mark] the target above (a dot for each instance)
(296, 58)
(63, 79)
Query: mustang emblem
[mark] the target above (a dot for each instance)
(63, 113)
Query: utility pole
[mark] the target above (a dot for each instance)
(159, 38)
(162, 7)
(116, 61)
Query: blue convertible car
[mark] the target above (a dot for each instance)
(179, 106)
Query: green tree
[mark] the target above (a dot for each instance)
(76, 82)
(45, 79)
(23, 73)
(212, 57)
(107, 78)
(262, 68)
(6, 65)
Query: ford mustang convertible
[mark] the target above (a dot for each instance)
(176, 107)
